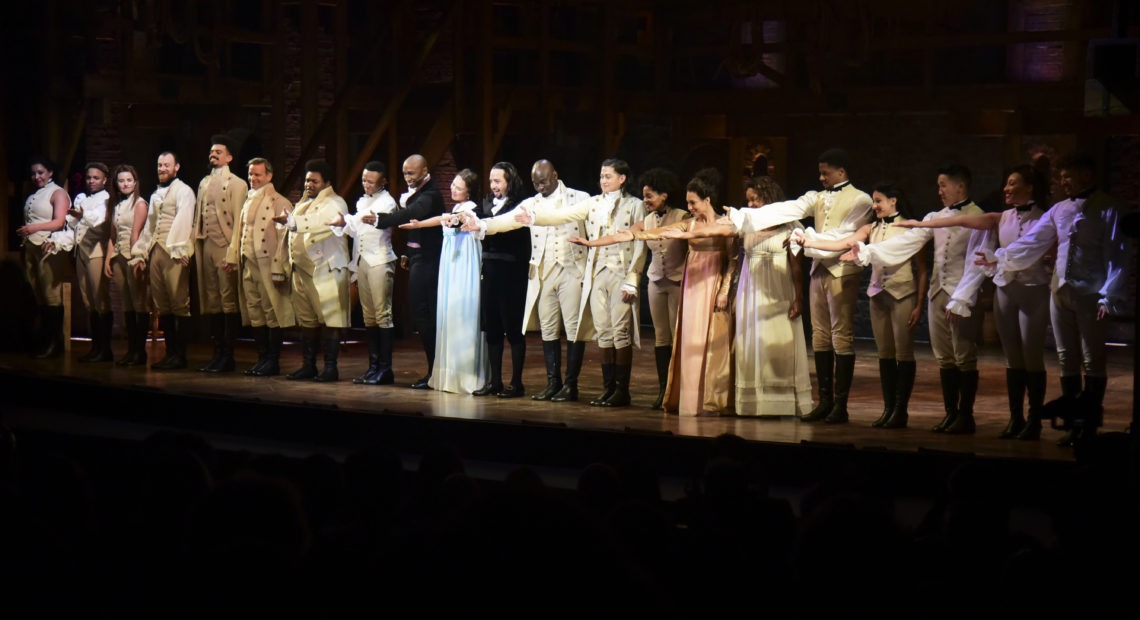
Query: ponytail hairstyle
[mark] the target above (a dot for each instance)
(1036, 178)
(620, 167)
(891, 190)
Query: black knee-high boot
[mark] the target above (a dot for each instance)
(96, 336)
(261, 341)
(844, 376)
(332, 352)
(217, 326)
(106, 325)
(310, 341)
(518, 360)
(951, 379)
(888, 378)
(1015, 382)
(231, 324)
(174, 335)
(138, 326)
(495, 367)
(130, 320)
(51, 318)
(575, 353)
(552, 358)
(1035, 389)
(905, 385)
(387, 339)
(608, 357)
(662, 355)
(825, 376)
(623, 370)
(963, 423)
(372, 339)
(272, 365)
(1088, 413)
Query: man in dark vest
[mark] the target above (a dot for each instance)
(506, 262)
(422, 201)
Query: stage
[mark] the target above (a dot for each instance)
(63, 396)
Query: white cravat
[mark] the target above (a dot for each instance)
(497, 205)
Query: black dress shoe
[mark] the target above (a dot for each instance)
(511, 391)
(422, 384)
(487, 390)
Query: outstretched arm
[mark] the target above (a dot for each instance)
(659, 232)
(721, 227)
(810, 240)
(978, 221)
(621, 236)
(428, 223)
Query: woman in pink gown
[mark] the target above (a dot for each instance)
(700, 371)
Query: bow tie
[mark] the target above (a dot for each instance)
(1084, 194)
(889, 219)
(834, 189)
(1023, 208)
(959, 205)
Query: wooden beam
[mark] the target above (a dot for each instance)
(397, 100)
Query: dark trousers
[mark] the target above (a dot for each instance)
(502, 297)
(423, 279)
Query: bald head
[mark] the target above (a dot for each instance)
(544, 177)
(415, 171)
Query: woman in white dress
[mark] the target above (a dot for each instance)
(772, 376)
(461, 361)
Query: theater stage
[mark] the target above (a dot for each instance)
(64, 396)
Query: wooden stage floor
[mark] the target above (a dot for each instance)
(367, 402)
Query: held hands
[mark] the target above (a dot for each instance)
(908, 224)
(575, 239)
(983, 260)
(721, 302)
(470, 222)
(282, 218)
(850, 256)
(404, 262)
(673, 233)
(75, 212)
(794, 308)
(416, 223)
(622, 236)
(338, 222)
(797, 237)
(140, 269)
(229, 267)
(522, 217)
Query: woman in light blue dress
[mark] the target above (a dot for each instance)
(461, 362)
